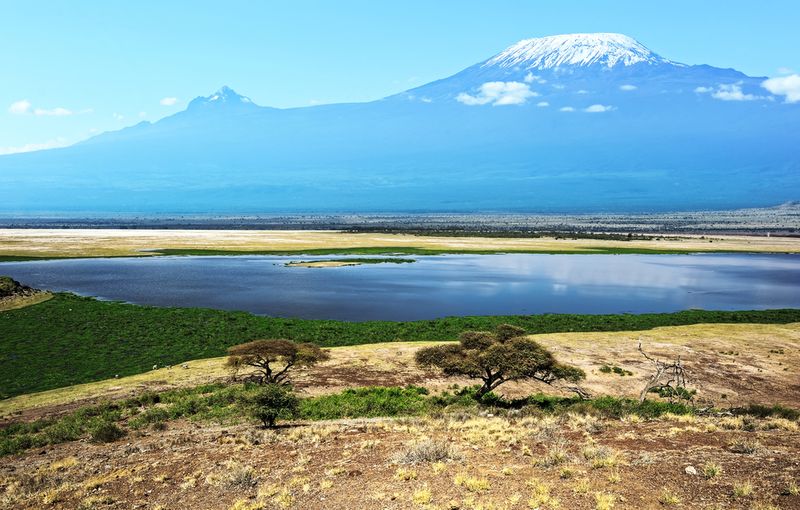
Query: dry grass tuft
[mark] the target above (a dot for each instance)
(429, 450)
(746, 446)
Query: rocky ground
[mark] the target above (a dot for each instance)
(15, 295)
(458, 461)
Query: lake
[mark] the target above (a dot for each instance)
(433, 286)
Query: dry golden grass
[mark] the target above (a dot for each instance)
(389, 364)
(93, 242)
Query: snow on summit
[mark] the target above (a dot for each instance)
(575, 49)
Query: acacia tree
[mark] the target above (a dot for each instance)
(498, 357)
(272, 359)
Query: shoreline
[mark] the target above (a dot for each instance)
(43, 244)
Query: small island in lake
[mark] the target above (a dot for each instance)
(346, 262)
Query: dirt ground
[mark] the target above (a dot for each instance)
(546, 462)
(109, 242)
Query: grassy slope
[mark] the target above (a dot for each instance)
(70, 340)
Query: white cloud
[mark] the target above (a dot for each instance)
(30, 147)
(732, 92)
(142, 115)
(598, 108)
(542, 104)
(118, 116)
(628, 88)
(582, 91)
(566, 109)
(558, 86)
(55, 112)
(788, 86)
(498, 93)
(24, 107)
(168, 101)
(530, 78)
(785, 70)
(703, 90)
(20, 107)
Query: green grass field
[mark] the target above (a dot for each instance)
(70, 339)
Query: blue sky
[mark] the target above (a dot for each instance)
(73, 69)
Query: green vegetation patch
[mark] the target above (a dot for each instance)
(224, 404)
(70, 339)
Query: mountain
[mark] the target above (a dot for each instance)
(568, 123)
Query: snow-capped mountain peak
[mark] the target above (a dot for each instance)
(224, 95)
(605, 49)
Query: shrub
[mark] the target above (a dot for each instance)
(105, 432)
(271, 402)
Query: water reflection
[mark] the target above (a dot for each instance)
(434, 286)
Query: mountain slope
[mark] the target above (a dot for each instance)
(581, 122)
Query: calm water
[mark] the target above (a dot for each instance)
(434, 286)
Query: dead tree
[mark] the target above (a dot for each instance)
(668, 379)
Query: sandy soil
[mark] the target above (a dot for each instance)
(90, 242)
(324, 263)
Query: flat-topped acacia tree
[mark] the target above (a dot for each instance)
(495, 358)
(272, 359)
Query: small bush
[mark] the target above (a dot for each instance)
(105, 432)
(768, 411)
(271, 402)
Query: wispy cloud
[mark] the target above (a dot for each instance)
(627, 87)
(55, 112)
(168, 101)
(498, 93)
(566, 109)
(118, 116)
(24, 107)
(598, 108)
(30, 147)
(703, 90)
(20, 107)
(787, 86)
(542, 104)
(785, 70)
